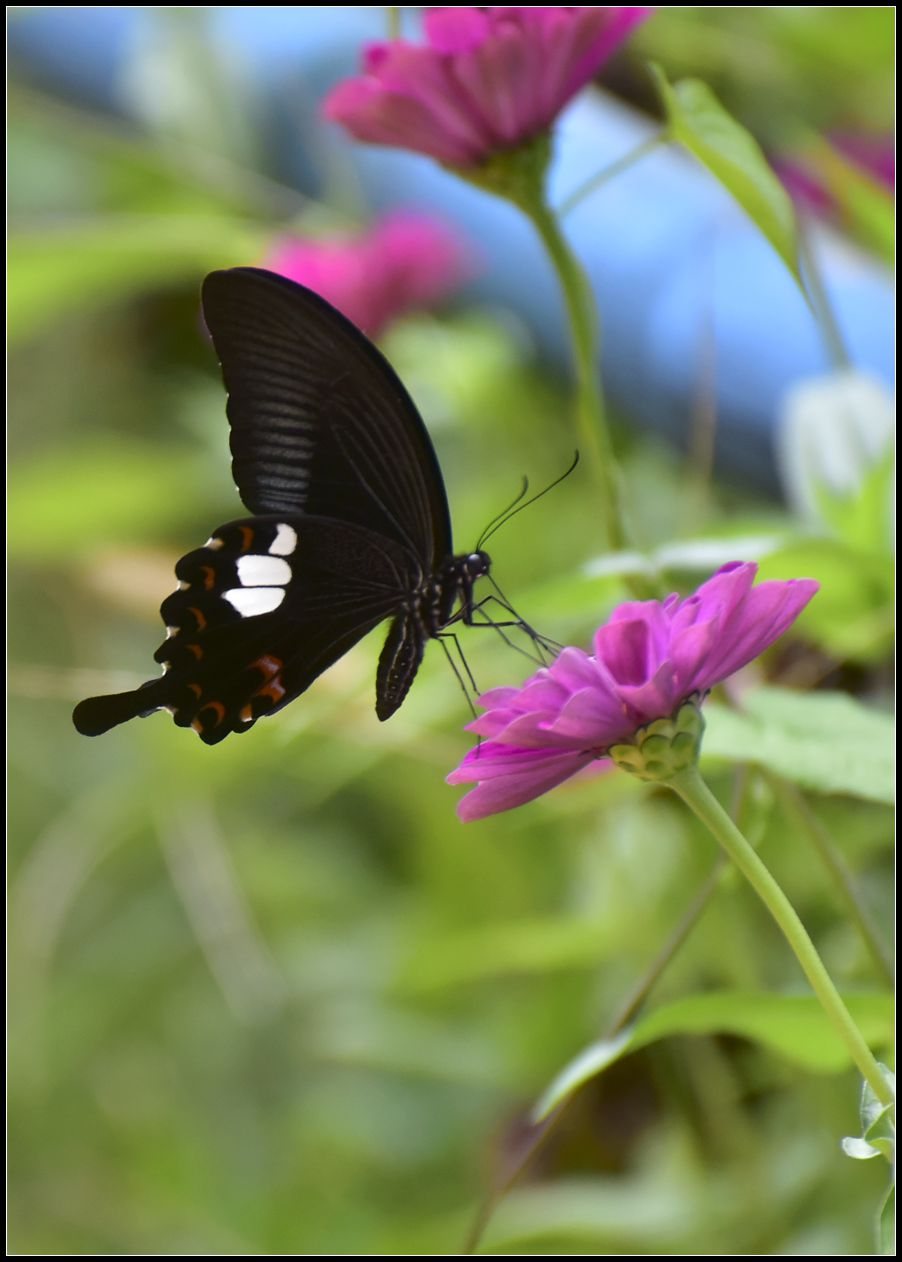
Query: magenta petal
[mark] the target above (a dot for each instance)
(651, 657)
(532, 731)
(655, 698)
(510, 777)
(487, 79)
(388, 118)
(456, 30)
(590, 718)
(689, 652)
(725, 590)
(574, 669)
(626, 649)
(765, 614)
(499, 79)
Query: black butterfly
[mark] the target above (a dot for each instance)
(350, 524)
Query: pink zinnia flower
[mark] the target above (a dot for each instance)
(650, 657)
(487, 79)
(408, 261)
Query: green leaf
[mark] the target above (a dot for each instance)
(825, 741)
(868, 208)
(886, 1221)
(699, 123)
(793, 1026)
(112, 489)
(853, 615)
(878, 1133)
(52, 272)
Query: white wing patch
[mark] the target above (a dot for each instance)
(262, 571)
(250, 602)
(285, 542)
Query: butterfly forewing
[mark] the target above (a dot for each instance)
(320, 421)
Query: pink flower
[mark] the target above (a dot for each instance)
(406, 262)
(809, 187)
(487, 79)
(649, 658)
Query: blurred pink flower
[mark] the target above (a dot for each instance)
(408, 261)
(874, 155)
(487, 79)
(650, 657)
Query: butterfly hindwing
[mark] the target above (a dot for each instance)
(262, 609)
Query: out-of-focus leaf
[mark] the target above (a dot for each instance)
(116, 492)
(825, 741)
(867, 207)
(852, 616)
(65, 270)
(701, 125)
(886, 1221)
(794, 1026)
(528, 947)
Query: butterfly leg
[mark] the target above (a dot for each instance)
(468, 685)
(543, 644)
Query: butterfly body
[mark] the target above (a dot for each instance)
(350, 524)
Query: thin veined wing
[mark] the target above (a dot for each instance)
(320, 421)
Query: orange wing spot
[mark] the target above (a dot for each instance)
(199, 617)
(247, 714)
(247, 536)
(209, 577)
(268, 665)
(218, 709)
(196, 650)
(196, 689)
(274, 690)
(198, 726)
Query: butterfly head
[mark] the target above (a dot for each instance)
(476, 565)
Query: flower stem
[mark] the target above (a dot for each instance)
(699, 798)
(601, 178)
(819, 301)
(796, 806)
(595, 439)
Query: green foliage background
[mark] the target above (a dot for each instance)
(272, 996)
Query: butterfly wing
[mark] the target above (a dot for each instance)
(262, 609)
(321, 424)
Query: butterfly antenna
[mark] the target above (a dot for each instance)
(500, 516)
(516, 507)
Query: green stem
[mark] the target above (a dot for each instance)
(393, 21)
(600, 178)
(796, 806)
(595, 439)
(698, 797)
(820, 303)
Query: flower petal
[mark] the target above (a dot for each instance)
(509, 777)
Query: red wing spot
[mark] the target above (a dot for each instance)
(247, 535)
(209, 577)
(268, 665)
(198, 616)
(196, 650)
(196, 689)
(273, 690)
